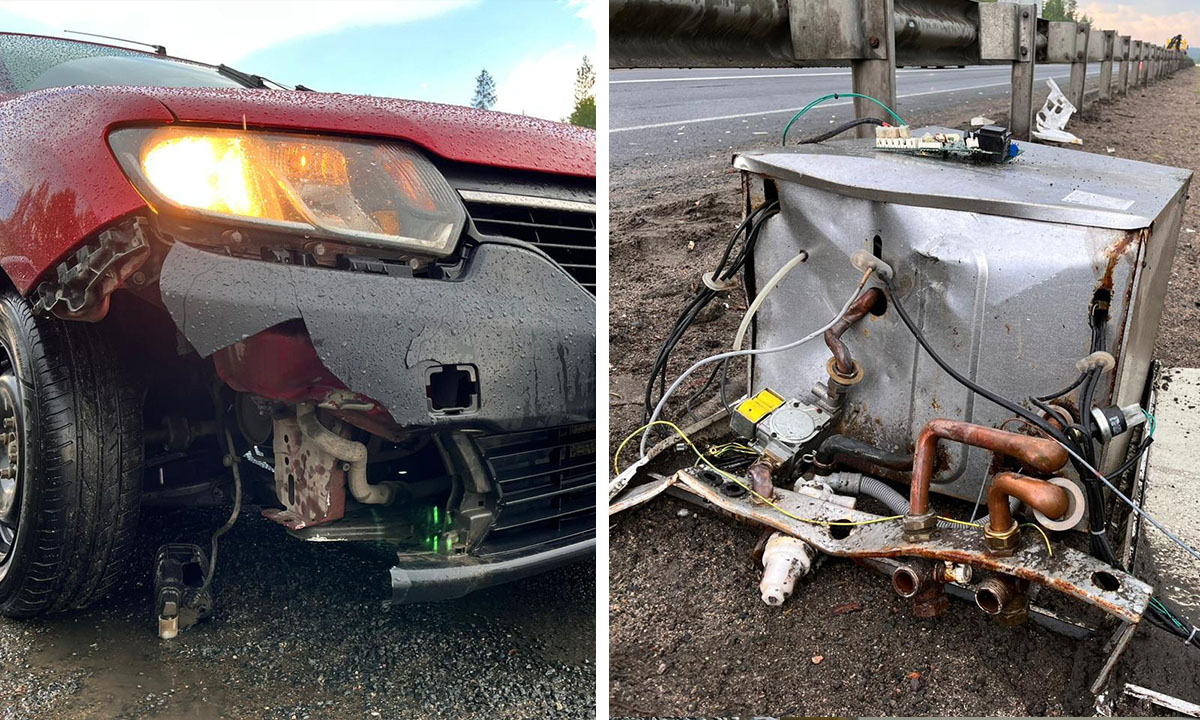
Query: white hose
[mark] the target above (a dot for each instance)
(345, 450)
(779, 275)
(662, 403)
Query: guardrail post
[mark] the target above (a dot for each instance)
(1141, 64)
(1125, 45)
(1109, 40)
(1079, 66)
(1020, 116)
(876, 77)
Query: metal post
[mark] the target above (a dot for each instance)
(1141, 65)
(876, 77)
(1109, 38)
(1020, 116)
(1124, 42)
(1079, 67)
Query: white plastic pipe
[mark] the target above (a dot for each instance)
(785, 559)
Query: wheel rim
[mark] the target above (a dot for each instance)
(11, 432)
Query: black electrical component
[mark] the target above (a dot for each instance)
(994, 139)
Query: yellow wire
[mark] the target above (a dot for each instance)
(703, 459)
(959, 522)
(1049, 550)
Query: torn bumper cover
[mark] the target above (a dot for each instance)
(420, 578)
(524, 326)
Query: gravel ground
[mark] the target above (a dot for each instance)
(300, 631)
(688, 633)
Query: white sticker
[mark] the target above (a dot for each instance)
(1082, 197)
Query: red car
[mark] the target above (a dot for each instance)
(379, 314)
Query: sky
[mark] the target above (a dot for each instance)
(1155, 21)
(413, 49)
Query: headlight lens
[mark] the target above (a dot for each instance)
(382, 194)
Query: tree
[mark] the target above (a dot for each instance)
(485, 91)
(584, 113)
(1063, 10)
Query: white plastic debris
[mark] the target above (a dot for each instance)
(980, 121)
(1051, 121)
(784, 559)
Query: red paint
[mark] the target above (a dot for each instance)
(279, 363)
(60, 183)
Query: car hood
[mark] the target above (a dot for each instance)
(457, 133)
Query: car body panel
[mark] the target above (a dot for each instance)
(61, 183)
(381, 335)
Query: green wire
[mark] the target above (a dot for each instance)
(1150, 422)
(834, 96)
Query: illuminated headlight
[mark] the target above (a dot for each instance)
(383, 194)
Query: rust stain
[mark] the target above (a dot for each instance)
(1114, 252)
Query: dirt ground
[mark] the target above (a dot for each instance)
(300, 630)
(688, 633)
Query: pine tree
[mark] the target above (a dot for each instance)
(584, 113)
(485, 91)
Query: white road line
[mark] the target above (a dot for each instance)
(769, 76)
(798, 109)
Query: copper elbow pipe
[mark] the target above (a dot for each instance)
(833, 336)
(1050, 500)
(1041, 454)
(761, 482)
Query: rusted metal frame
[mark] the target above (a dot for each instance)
(642, 493)
(1068, 571)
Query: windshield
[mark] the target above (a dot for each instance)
(32, 63)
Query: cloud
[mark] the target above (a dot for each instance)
(589, 11)
(1152, 22)
(542, 86)
(216, 31)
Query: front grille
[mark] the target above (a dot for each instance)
(567, 236)
(545, 480)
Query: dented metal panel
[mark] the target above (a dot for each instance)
(998, 265)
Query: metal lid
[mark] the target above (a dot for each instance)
(1043, 183)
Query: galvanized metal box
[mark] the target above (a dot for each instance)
(998, 264)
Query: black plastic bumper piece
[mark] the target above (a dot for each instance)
(460, 576)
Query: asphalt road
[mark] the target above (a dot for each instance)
(665, 115)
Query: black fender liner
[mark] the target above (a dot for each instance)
(526, 325)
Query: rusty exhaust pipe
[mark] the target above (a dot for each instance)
(1001, 535)
(1040, 454)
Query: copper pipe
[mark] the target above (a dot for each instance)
(842, 359)
(1041, 454)
(760, 481)
(1050, 500)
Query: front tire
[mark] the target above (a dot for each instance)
(70, 462)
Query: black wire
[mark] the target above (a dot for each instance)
(1052, 396)
(841, 129)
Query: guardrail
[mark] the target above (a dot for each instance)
(876, 36)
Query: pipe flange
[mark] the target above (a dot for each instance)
(919, 528)
(1002, 543)
(854, 378)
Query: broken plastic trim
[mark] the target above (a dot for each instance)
(83, 282)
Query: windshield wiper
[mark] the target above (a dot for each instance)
(256, 81)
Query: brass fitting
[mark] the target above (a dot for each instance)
(1004, 599)
(919, 528)
(1002, 543)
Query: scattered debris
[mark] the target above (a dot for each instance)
(1051, 120)
(683, 512)
(980, 121)
(818, 659)
(846, 608)
(691, 245)
(1163, 700)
